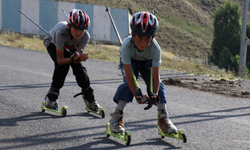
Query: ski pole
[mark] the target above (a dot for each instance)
(138, 91)
(116, 31)
(42, 29)
(64, 12)
(35, 23)
(151, 101)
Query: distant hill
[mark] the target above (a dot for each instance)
(185, 26)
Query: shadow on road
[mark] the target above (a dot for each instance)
(213, 115)
(32, 116)
(42, 85)
(114, 143)
(99, 137)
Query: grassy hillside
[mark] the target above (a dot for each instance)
(186, 26)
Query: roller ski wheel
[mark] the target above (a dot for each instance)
(123, 136)
(179, 135)
(99, 112)
(63, 111)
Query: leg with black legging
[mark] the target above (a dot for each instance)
(59, 75)
(83, 81)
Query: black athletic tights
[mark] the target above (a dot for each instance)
(61, 71)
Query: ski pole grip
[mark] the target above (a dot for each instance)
(149, 106)
(138, 92)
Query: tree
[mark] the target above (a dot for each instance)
(235, 64)
(248, 47)
(227, 31)
(225, 59)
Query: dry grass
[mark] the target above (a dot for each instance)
(18, 40)
(100, 51)
(110, 53)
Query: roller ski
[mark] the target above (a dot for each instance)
(90, 103)
(123, 136)
(180, 134)
(96, 110)
(63, 111)
(51, 104)
(115, 127)
(167, 129)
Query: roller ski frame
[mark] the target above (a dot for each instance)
(63, 111)
(100, 111)
(126, 136)
(179, 135)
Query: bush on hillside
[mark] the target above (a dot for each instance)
(227, 31)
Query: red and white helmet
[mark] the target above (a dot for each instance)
(144, 24)
(78, 19)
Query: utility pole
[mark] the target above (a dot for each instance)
(243, 43)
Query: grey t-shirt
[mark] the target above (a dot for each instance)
(129, 51)
(60, 37)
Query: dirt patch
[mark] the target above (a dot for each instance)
(236, 88)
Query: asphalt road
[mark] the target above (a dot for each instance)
(211, 121)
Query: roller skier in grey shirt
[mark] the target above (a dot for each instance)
(71, 35)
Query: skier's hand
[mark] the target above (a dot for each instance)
(75, 57)
(146, 97)
(139, 98)
(155, 97)
(84, 56)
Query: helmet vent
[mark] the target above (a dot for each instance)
(144, 27)
(144, 22)
(76, 21)
(138, 16)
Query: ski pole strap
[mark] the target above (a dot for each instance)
(70, 52)
(77, 94)
(79, 46)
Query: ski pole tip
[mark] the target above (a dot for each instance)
(107, 9)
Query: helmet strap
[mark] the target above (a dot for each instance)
(70, 32)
